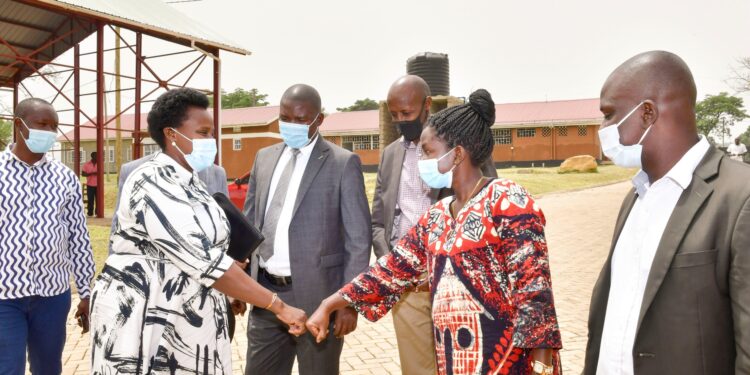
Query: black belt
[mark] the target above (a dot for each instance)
(276, 280)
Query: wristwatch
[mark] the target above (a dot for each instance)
(542, 369)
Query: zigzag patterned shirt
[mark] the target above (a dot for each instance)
(43, 234)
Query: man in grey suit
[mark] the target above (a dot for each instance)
(674, 294)
(308, 197)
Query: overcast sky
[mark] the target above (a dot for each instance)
(517, 50)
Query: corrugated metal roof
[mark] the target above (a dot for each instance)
(154, 15)
(29, 24)
(27, 28)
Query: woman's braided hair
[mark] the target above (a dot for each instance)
(468, 125)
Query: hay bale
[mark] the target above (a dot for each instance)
(579, 164)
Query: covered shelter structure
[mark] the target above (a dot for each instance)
(38, 36)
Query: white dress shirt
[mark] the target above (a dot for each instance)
(633, 255)
(278, 264)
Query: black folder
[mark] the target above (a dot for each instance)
(244, 238)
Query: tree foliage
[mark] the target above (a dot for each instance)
(716, 114)
(745, 137)
(740, 79)
(241, 98)
(6, 133)
(365, 104)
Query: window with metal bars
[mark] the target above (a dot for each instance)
(582, 130)
(362, 142)
(501, 136)
(526, 133)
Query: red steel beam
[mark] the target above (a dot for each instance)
(62, 87)
(106, 50)
(56, 89)
(169, 54)
(217, 105)
(24, 58)
(77, 109)
(194, 71)
(21, 45)
(137, 119)
(140, 58)
(15, 104)
(185, 68)
(100, 120)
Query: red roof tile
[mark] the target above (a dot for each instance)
(540, 112)
(357, 121)
(229, 117)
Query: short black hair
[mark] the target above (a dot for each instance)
(468, 125)
(170, 109)
(27, 105)
(93, 155)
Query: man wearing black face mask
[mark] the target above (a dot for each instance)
(401, 198)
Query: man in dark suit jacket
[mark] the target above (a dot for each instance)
(317, 236)
(674, 294)
(401, 198)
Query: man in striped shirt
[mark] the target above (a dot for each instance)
(43, 239)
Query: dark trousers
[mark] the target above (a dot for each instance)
(272, 350)
(91, 197)
(37, 323)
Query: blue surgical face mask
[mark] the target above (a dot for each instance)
(429, 171)
(203, 154)
(626, 156)
(295, 135)
(39, 141)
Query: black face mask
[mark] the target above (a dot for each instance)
(411, 129)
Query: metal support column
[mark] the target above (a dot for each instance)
(137, 119)
(77, 109)
(100, 119)
(217, 105)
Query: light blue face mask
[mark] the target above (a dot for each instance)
(39, 141)
(429, 171)
(203, 155)
(295, 135)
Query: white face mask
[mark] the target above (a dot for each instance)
(626, 156)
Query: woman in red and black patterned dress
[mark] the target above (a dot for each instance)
(485, 253)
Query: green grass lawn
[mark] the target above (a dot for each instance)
(537, 180)
(540, 181)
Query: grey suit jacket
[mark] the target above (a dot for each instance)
(329, 237)
(695, 314)
(386, 194)
(215, 178)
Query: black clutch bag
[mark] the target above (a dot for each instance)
(243, 237)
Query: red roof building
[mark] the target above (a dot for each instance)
(524, 133)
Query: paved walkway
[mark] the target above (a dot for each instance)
(579, 230)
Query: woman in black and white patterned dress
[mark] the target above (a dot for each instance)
(158, 305)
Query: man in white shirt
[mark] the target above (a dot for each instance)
(737, 150)
(673, 295)
(307, 196)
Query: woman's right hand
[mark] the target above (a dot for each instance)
(293, 317)
(319, 322)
